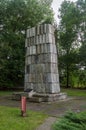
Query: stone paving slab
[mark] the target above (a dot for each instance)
(47, 125)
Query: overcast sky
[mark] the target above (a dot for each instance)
(56, 4)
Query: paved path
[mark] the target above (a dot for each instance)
(54, 110)
(47, 125)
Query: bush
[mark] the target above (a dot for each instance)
(71, 121)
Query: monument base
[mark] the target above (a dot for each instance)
(38, 97)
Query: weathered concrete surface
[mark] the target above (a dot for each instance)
(41, 65)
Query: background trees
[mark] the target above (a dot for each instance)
(15, 17)
(72, 43)
(18, 15)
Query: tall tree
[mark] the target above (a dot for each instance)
(15, 17)
(72, 42)
(81, 6)
(67, 37)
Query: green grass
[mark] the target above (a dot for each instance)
(71, 121)
(10, 119)
(70, 92)
(3, 93)
(75, 92)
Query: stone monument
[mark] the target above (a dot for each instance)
(41, 64)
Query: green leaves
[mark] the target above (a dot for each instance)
(72, 38)
(71, 121)
(15, 17)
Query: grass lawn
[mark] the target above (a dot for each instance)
(75, 92)
(10, 119)
(3, 93)
(70, 92)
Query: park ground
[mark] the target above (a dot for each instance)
(76, 102)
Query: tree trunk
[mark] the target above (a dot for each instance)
(67, 81)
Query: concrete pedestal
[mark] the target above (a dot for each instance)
(36, 97)
(48, 97)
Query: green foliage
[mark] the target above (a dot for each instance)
(6, 93)
(72, 44)
(10, 119)
(77, 79)
(75, 92)
(71, 121)
(15, 17)
(67, 36)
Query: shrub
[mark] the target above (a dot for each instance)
(71, 121)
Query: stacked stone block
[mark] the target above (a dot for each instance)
(41, 70)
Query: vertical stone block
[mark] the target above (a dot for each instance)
(34, 50)
(44, 38)
(28, 33)
(25, 43)
(31, 41)
(49, 28)
(26, 61)
(38, 30)
(37, 40)
(25, 70)
(54, 68)
(50, 48)
(53, 58)
(31, 50)
(32, 59)
(54, 88)
(29, 85)
(33, 31)
(57, 78)
(28, 69)
(33, 68)
(54, 49)
(47, 68)
(28, 51)
(38, 49)
(29, 60)
(41, 29)
(31, 78)
(45, 28)
(45, 48)
(28, 42)
(26, 78)
(49, 38)
(41, 40)
(41, 88)
(42, 48)
(53, 39)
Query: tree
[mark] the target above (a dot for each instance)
(67, 38)
(15, 17)
(81, 6)
(72, 42)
